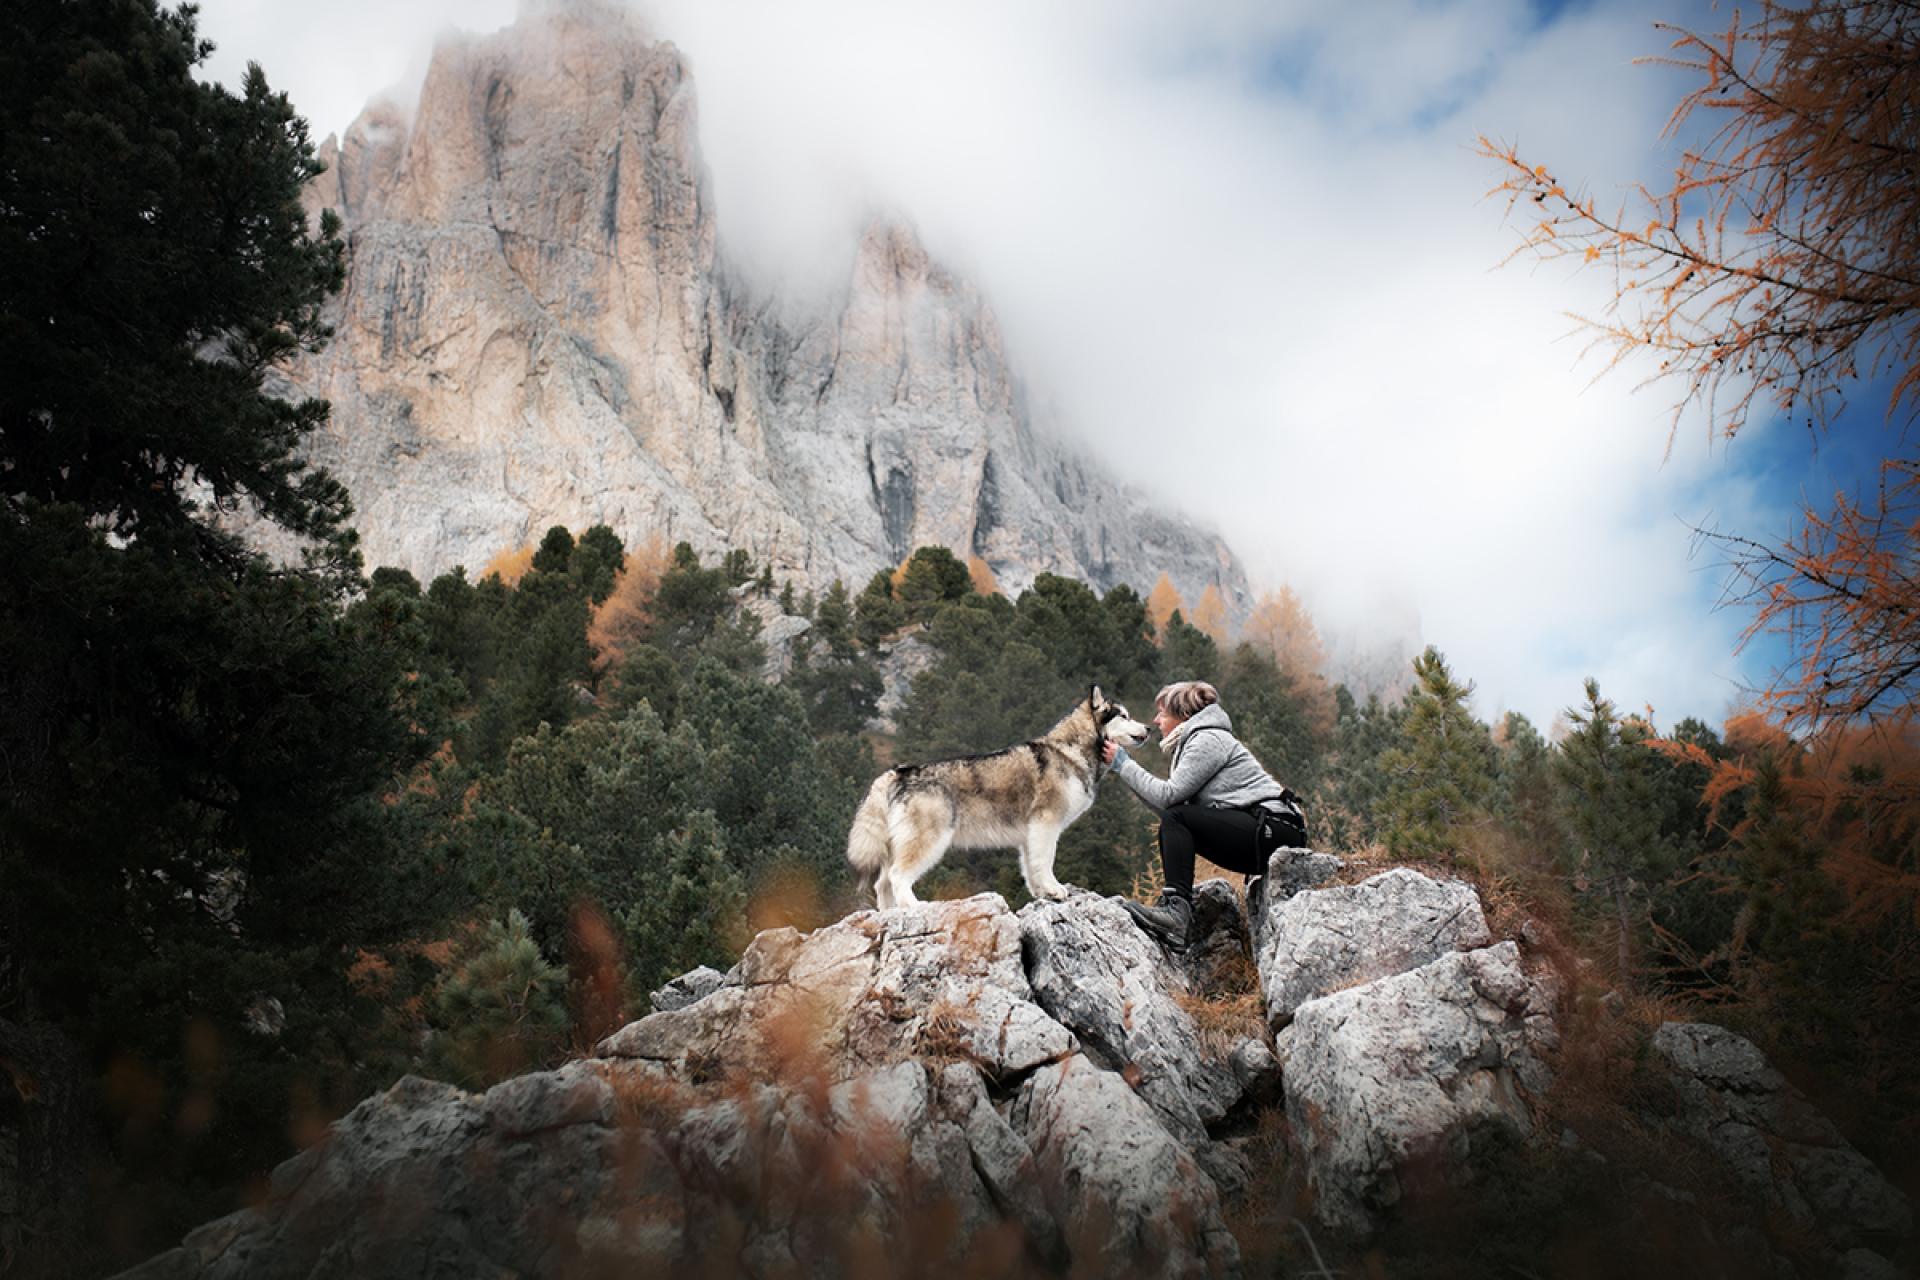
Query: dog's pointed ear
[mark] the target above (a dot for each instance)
(1095, 698)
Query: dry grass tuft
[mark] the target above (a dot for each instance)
(1224, 1019)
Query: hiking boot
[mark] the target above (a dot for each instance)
(1167, 919)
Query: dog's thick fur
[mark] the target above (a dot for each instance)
(1020, 798)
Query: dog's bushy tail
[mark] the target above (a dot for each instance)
(868, 847)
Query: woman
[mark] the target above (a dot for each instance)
(1216, 800)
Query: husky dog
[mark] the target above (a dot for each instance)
(1020, 798)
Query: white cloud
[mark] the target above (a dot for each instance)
(1241, 247)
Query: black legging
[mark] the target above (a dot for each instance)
(1228, 837)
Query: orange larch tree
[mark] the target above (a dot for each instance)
(1781, 264)
(982, 575)
(1210, 614)
(509, 566)
(621, 619)
(1785, 257)
(1162, 603)
(1281, 627)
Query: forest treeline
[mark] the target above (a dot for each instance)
(594, 787)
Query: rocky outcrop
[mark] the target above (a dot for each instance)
(957, 1085)
(887, 1091)
(540, 325)
(1408, 1073)
(877, 988)
(1774, 1141)
(1321, 940)
(1131, 1199)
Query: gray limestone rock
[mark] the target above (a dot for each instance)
(1289, 871)
(1129, 1198)
(1774, 1140)
(1098, 975)
(426, 1180)
(695, 984)
(900, 662)
(780, 632)
(1257, 1070)
(1865, 1264)
(936, 980)
(609, 1168)
(884, 1091)
(1322, 940)
(1412, 1071)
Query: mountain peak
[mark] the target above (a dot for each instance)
(540, 326)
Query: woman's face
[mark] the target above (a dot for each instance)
(1165, 721)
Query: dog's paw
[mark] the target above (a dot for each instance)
(1056, 892)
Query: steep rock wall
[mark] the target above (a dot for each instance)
(540, 326)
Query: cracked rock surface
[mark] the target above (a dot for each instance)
(941, 979)
(956, 1086)
(1321, 940)
(1130, 1199)
(886, 1094)
(1409, 1072)
(1774, 1140)
(1097, 974)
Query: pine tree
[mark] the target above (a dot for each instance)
(1440, 772)
(839, 685)
(697, 912)
(877, 614)
(195, 739)
(1525, 794)
(500, 1011)
(1188, 653)
(1345, 807)
(1609, 793)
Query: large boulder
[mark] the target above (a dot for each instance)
(1291, 871)
(1322, 940)
(1098, 975)
(1774, 1140)
(910, 1164)
(1130, 1199)
(425, 1179)
(937, 980)
(1409, 1073)
(884, 1095)
(613, 1169)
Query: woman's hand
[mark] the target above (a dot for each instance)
(1107, 752)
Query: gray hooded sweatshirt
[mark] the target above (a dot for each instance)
(1209, 767)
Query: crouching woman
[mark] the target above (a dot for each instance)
(1216, 801)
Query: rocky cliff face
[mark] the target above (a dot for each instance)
(540, 326)
(956, 1087)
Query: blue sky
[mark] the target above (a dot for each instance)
(1240, 250)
